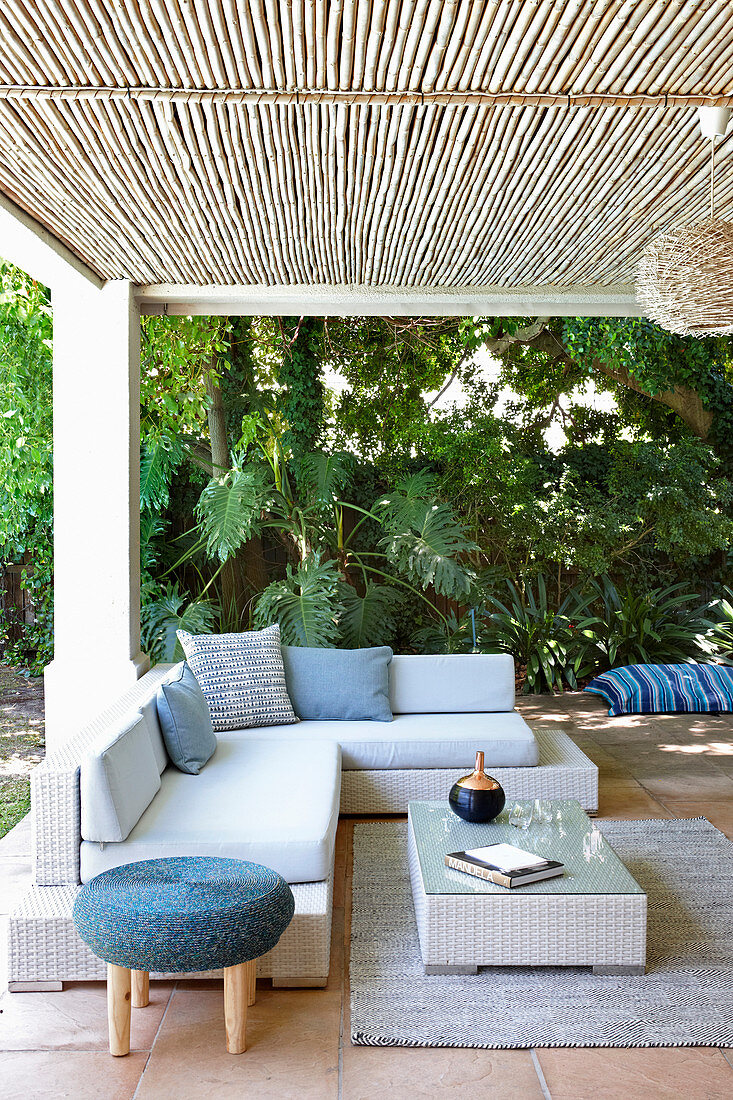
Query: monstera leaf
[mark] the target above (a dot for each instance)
(161, 619)
(369, 619)
(230, 508)
(159, 457)
(404, 507)
(430, 552)
(326, 477)
(305, 604)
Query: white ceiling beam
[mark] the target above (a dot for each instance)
(393, 301)
(30, 246)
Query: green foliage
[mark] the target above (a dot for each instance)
(666, 624)
(390, 366)
(466, 496)
(305, 604)
(597, 627)
(722, 613)
(326, 477)
(177, 353)
(659, 361)
(455, 635)
(26, 460)
(300, 373)
(366, 619)
(425, 539)
(539, 636)
(172, 611)
(229, 510)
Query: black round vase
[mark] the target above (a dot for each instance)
(477, 797)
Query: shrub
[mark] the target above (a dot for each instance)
(666, 624)
(548, 641)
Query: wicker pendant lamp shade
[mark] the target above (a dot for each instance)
(684, 280)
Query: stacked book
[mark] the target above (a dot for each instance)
(504, 865)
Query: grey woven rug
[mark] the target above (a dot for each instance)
(684, 999)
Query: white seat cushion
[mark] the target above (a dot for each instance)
(273, 802)
(421, 740)
(448, 683)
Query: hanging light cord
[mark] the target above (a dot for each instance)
(712, 178)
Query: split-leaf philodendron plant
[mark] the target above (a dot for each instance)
(334, 592)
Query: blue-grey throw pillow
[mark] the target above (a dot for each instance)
(345, 684)
(185, 721)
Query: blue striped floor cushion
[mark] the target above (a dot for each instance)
(654, 689)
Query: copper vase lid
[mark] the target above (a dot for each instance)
(478, 780)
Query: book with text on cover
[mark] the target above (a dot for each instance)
(504, 865)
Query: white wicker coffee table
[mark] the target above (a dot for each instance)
(594, 915)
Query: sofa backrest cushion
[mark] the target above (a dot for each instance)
(185, 721)
(241, 676)
(119, 780)
(149, 710)
(457, 682)
(344, 684)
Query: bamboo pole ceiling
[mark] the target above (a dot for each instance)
(380, 142)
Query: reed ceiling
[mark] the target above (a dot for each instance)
(382, 142)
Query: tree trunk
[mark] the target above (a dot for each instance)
(247, 569)
(231, 590)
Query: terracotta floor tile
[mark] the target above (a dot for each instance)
(336, 968)
(682, 787)
(17, 878)
(720, 814)
(17, 843)
(293, 1041)
(696, 1073)
(548, 704)
(626, 800)
(75, 1019)
(215, 984)
(339, 878)
(372, 1073)
(77, 1075)
(608, 730)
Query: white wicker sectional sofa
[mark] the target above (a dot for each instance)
(273, 795)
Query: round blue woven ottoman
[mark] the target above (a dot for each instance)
(181, 915)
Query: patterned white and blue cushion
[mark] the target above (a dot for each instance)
(242, 677)
(655, 689)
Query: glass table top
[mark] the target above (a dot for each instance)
(591, 865)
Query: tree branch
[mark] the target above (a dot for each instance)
(686, 403)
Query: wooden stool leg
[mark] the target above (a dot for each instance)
(140, 989)
(235, 1007)
(251, 981)
(118, 1009)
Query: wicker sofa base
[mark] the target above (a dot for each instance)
(564, 771)
(45, 949)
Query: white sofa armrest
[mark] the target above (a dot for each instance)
(55, 799)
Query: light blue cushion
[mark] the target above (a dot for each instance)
(345, 684)
(451, 683)
(185, 721)
(119, 780)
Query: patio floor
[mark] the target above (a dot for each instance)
(54, 1044)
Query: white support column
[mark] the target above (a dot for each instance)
(96, 427)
